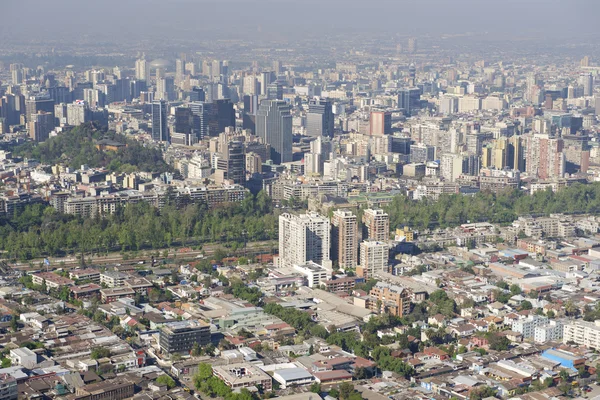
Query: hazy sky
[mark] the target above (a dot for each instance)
(52, 19)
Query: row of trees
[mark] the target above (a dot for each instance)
(503, 207)
(40, 230)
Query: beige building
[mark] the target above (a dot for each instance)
(374, 257)
(377, 225)
(344, 237)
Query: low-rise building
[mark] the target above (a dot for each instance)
(244, 375)
(113, 294)
(51, 280)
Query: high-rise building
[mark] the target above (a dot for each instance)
(381, 123)
(274, 126)
(377, 225)
(374, 258)
(200, 116)
(17, 74)
(412, 45)
(160, 131)
(320, 119)
(165, 88)
(141, 70)
(40, 126)
(545, 157)
(183, 120)
(451, 166)
(421, 153)
(516, 159)
(587, 81)
(274, 91)
(221, 116)
(36, 104)
(78, 113)
(344, 238)
(232, 163)
(303, 238)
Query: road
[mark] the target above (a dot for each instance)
(252, 248)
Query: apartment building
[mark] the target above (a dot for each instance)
(344, 238)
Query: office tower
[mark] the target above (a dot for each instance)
(274, 126)
(78, 113)
(380, 123)
(200, 117)
(412, 45)
(221, 116)
(274, 91)
(585, 61)
(251, 85)
(265, 80)
(191, 68)
(376, 223)
(40, 126)
(136, 87)
(514, 155)
(216, 69)
(474, 143)
(141, 70)
(302, 238)
(197, 94)
(344, 238)
(160, 131)
(165, 88)
(587, 81)
(38, 103)
(17, 74)
(277, 67)
(179, 71)
(421, 153)
(249, 115)
(320, 119)
(500, 153)
(545, 157)
(123, 90)
(183, 120)
(232, 163)
(374, 258)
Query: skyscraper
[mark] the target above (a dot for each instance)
(344, 238)
(232, 163)
(17, 73)
(377, 225)
(381, 123)
(274, 126)
(200, 116)
(183, 120)
(587, 81)
(303, 238)
(40, 126)
(160, 131)
(222, 115)
(319, 119)
(141, 70)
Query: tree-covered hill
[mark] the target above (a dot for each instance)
(78, 147)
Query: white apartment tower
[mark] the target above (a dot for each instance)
(374, 257)
(302, 238)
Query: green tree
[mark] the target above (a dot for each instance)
(315, 388)
(166, 380)
(515, 289)
(99, 352)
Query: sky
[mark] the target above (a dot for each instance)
(174, 19)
